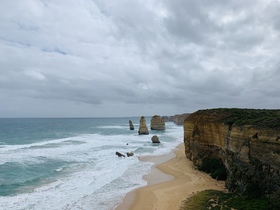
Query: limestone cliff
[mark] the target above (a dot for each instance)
(246, 140)
(179, 119)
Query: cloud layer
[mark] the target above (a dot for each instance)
(128, 58)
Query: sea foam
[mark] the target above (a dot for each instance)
(87, 174)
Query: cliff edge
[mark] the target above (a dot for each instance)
(247, 141)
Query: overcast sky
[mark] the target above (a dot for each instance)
(101, 58)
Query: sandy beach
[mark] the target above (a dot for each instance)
(172, 179)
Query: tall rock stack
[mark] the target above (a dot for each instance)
(131, 127)
(143, 129)
(157, 123)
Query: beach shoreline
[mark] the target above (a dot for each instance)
(172, 180)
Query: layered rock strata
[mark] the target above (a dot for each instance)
(157, 123)
(247, 142)
(143, 129)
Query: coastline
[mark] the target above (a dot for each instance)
(171, 181)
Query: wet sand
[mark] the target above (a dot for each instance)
(172, 180)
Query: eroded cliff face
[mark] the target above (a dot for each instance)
(250, 153)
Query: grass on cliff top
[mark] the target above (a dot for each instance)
(213, 199)
(265, 118)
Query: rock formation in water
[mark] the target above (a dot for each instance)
(131, 126)
(119, 154)
(129, 154)
(247, 141)
(143, 129)
(155, 139)
(157, 123)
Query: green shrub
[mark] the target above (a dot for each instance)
(253, 191)
(264, 118)
(213, 199)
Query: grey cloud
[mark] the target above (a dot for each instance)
(188, 21)
(153, 56)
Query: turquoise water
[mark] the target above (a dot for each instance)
(70, 163)
(30, 130)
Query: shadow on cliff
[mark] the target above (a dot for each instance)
(215, 168)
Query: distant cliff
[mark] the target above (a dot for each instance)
(178, 119)
(247, 141)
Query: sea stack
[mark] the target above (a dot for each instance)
(157, 123)
(131, 127)
(155, 139)
(143, 129)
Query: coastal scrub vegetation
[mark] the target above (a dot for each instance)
(213, 199)
(265, 118)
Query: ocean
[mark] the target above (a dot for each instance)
(70, 163)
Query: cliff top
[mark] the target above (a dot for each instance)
(265, 118)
